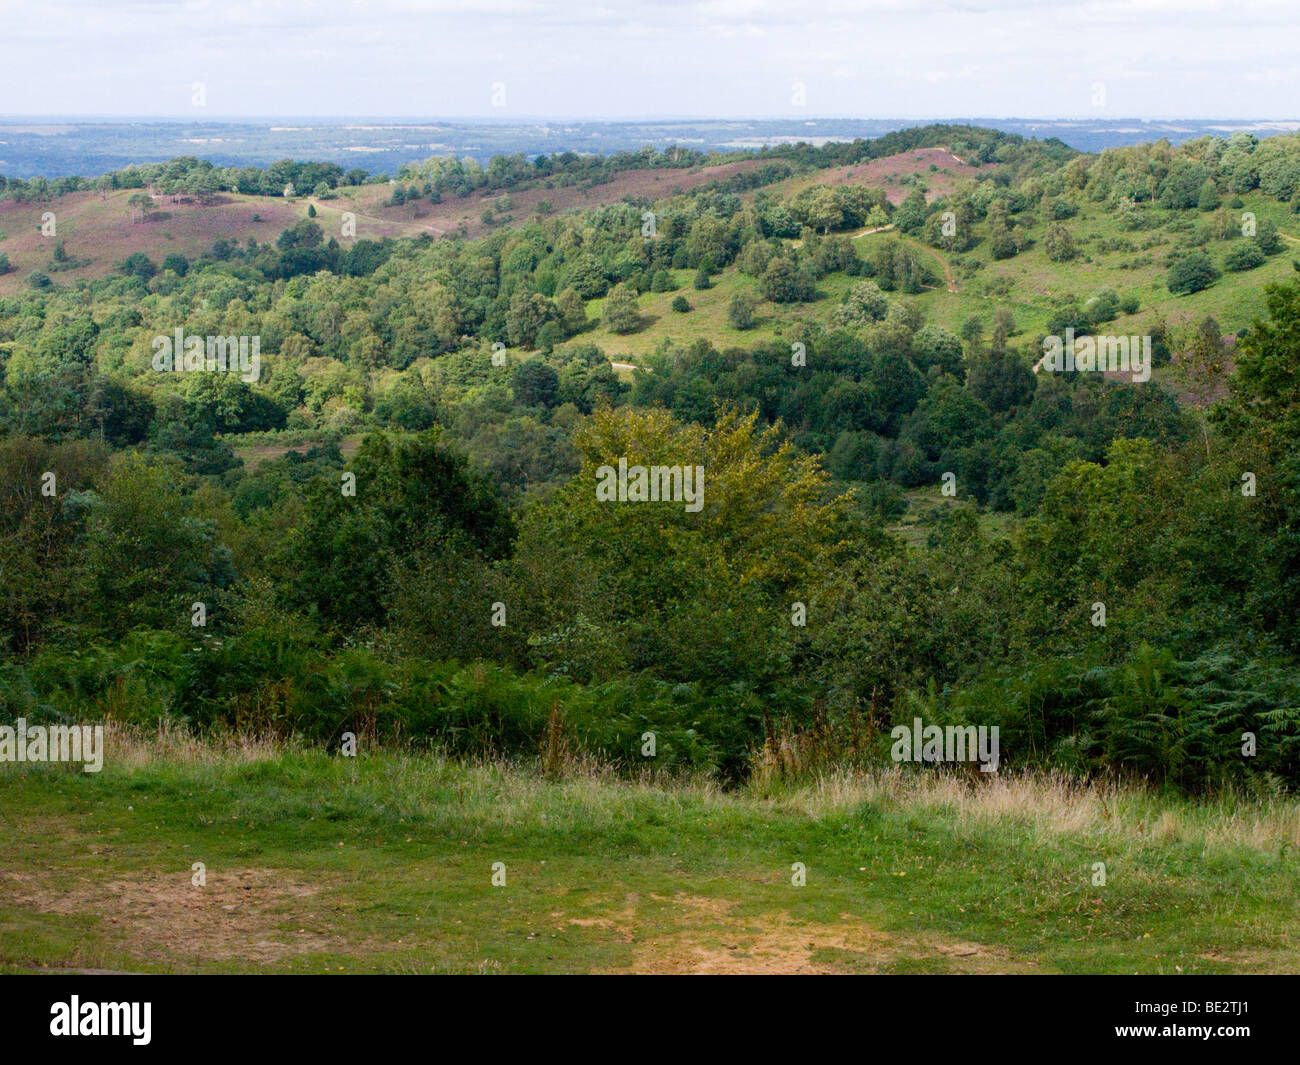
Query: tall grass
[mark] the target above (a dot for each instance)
(581, 786)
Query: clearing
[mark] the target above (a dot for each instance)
(385, 863)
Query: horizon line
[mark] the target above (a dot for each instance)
(642, 119)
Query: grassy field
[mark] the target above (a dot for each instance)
(384, 863)
(1027, 285)
(274, 445)
(926, 505)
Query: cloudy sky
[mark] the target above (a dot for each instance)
(653, 58)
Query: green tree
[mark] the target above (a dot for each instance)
(1268, 238)
(146, 557)
(1191, 272)
(1267, 378)
(865, 303)
(572, 311)
(528, 312)
(536, 384)
(409, 492)
(607, 586)
(586, 277)
(785, 282)
(740, 311)
(1058, 244)
(621, 313)
(138, 264)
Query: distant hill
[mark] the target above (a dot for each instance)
(98, 230)
(58, 148)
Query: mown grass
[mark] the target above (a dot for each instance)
(317, 862)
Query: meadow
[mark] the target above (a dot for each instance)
(385, 862)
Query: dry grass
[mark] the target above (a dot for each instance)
(1050, 803)
(1055, 804)
(135, 748)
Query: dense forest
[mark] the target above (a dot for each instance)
(394, 528)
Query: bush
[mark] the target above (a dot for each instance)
(138, 265)
(1270, 242)
(864, 303)
(740, 312)
(1003, 244)
(1153, 716)
(621, 314)
(1245, 256)
(1058, 244)
(681, 304)
(1191, 273)
(784, 282)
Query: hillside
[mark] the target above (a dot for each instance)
(1030, 286)
(940, 169)
(102, 229)
(365, 618)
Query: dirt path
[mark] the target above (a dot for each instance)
(868, 232)
(949, 278)
(375, 219)
(239, 915)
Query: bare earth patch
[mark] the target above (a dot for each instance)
(238, 914)
(706, 937)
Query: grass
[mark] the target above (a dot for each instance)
(274, 445)
(926, 505)
(384, 864)
(1032, 284)
(707, 319)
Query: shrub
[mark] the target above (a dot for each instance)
(1191, 273)
(1058, 244)
(621, 314)
(1245, 256)
(740, 312)
(784, 282)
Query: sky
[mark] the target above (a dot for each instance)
(530, 59)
